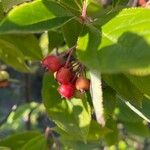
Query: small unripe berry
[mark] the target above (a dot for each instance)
(66, 90)
(82, 84)
(64, 75)
(52, 63)
(4, 75)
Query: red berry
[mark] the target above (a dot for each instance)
(66, 90)
(52, 63)
(64, 75)
(82, 84)
(141, 2)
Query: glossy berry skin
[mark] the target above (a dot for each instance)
(52, 63)
(82, 84)
(64, 75)
(66, 90)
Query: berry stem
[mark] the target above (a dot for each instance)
(79, 69)
(70, 54)
(74, 78)
(75, 65)
(83, 14)
(57, 52)
(84, 72)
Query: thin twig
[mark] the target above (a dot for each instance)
(57, 52)
(83, 14)
(70, 54)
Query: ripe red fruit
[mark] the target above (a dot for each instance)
(52, 63)
(141, 2)
(64, 75)
(82, 84)
(66, 90)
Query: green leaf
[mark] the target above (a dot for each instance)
(125, 114)
(114, 47)
(55, 39)
(74, 6)
(12, 56)
(71, 31)
(94, 9)
(37, 143)
(1, 11)
(22, 109)
(4, 148)
(93, 140)
(16, 141)
(18, 21)
(105, 15)
(49, 91)
(27, 44)
(100, 14)
(145, 107)
(87, 47)
(137, 111)
(137, 128)
(109, 96)
(124, 87)
(119, 49)
(73, 116)
(96, 132)
(78, 145)
(112, 137)
(141, 82)
(7, 4)
(144, 110)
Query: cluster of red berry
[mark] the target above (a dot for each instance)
(69, 73)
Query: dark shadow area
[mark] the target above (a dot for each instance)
(16, 93)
